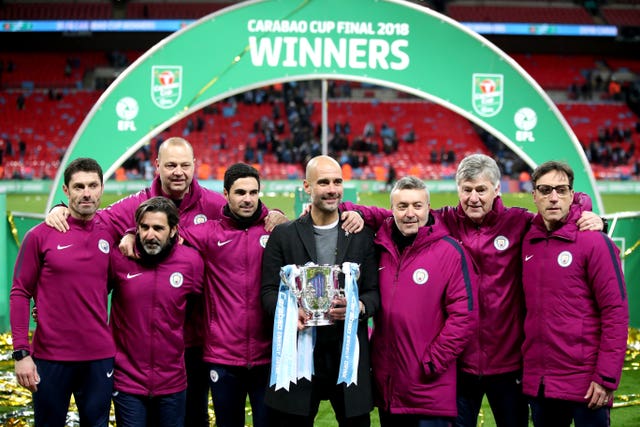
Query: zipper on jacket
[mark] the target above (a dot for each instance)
(153, 332)
(541, 387)
(388, 387)
(245, 291)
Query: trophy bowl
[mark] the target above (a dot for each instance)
(318, 286)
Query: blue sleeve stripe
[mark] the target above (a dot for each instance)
(465, 271)
(616, 265)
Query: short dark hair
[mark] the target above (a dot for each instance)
(82, 164)
(237, 171)
(159, 204)
(550, 166)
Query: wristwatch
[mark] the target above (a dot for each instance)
(20, 354)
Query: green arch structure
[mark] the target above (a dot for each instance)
(391, 43)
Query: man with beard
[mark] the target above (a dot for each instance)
(148, 309)
(66, 276)
(316, 237)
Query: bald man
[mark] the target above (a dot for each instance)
(317, 237)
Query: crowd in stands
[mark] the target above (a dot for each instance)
(614, 12)
(601, 152)
(286, 132)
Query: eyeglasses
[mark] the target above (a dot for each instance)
(561, 190)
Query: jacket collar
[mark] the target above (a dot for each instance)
(304, 227)
(233, 222)
(191, 198)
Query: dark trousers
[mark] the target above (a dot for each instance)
(91, 384)
(142, 411)
(504, 393)
(408, 420)
(560, 413)
(230, 386)
(323, 388)
(197, 405)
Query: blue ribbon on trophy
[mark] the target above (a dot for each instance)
(306, 343)
(293, 360)
(283, 352)
(350, 356)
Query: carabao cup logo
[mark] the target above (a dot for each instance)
(166, 85)
(487, 94)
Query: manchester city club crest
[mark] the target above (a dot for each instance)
(487, 94)
(420, 276)
(200, 219)
(166, 85)
(501, 243)
(176, 280)
(103, 245)
(565, 258)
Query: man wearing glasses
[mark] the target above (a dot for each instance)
(577, 310)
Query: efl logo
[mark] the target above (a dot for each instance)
(525, 120)
(127, 109)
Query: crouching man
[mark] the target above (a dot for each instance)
(147, 318)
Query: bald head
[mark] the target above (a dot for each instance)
(174, 142)
(321, 162)
(324, 186)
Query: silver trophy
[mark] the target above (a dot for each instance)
(317, 287)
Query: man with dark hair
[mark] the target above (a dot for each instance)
(238, 342)
(66, 276)
(317, 238)
(147, 318)
(577, 313)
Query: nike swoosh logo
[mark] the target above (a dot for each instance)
(223, 243)
(110, 374)
(61, 247)
(380, 268)
(528, 257)
(131, 276)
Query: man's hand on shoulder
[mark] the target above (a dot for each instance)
(57, 218)
(352, 222)
(127, 246)
(589, 221)
(274, 218)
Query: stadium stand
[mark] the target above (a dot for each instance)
(59, 96)
(58, 10)
(186, 10)
(531, 12)
(621, 15)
